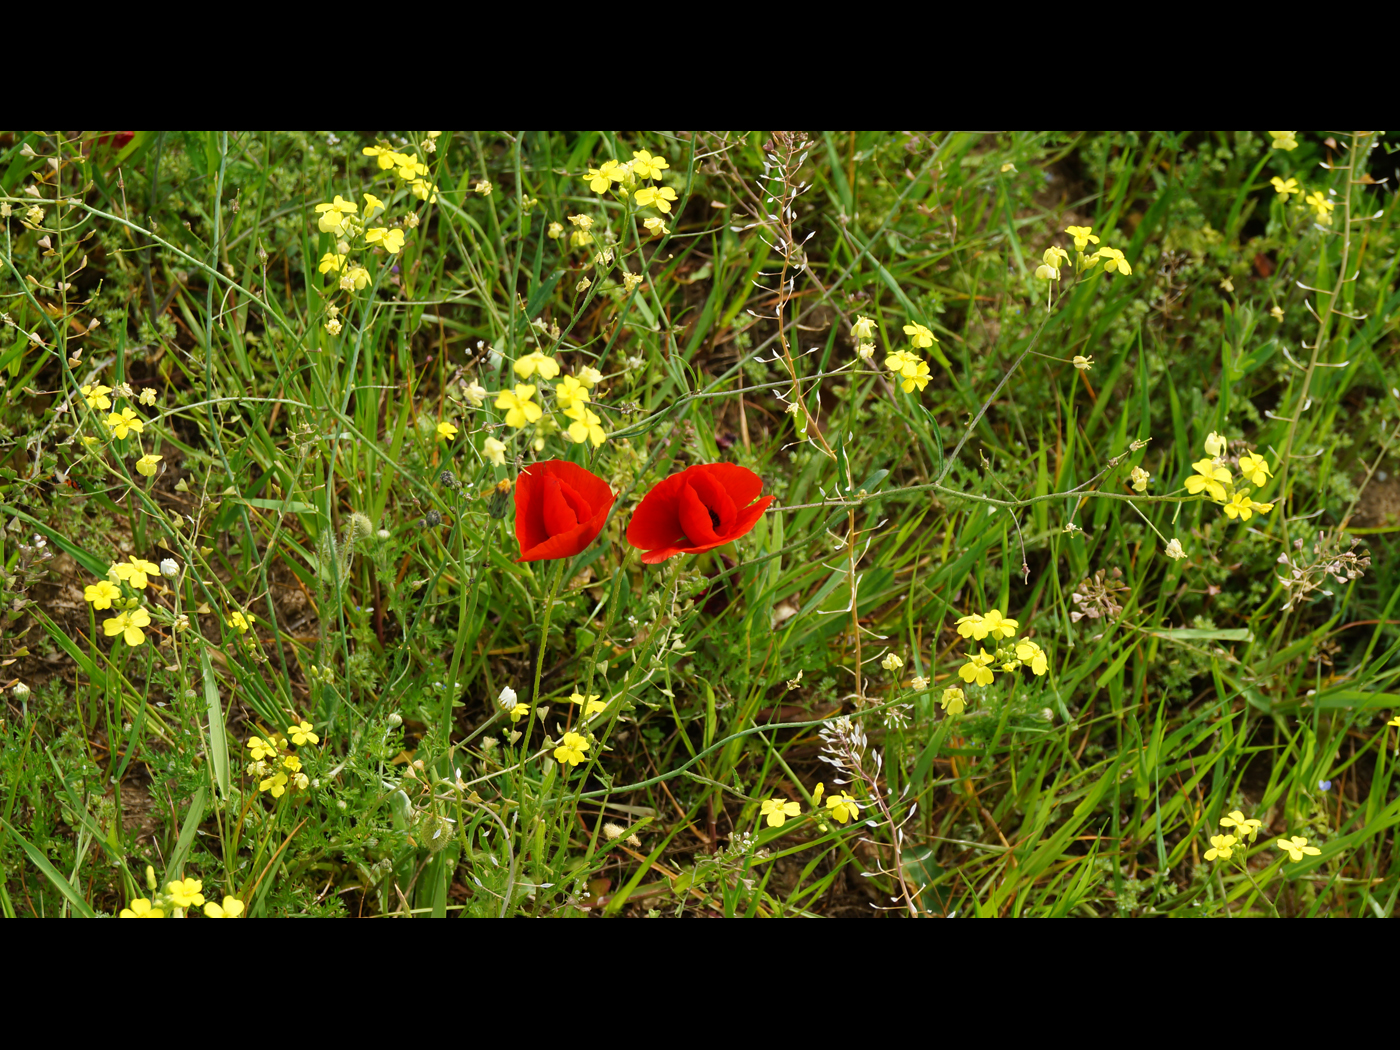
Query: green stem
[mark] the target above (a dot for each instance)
(539, 660)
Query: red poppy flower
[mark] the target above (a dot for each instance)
(696, 510)
(559, 510)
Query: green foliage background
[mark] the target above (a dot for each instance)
(302, 473)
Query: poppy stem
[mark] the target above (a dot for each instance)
(542, 646)
(619, 580)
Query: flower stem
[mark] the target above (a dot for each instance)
(539, 659)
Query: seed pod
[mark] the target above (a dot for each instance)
(433, 518)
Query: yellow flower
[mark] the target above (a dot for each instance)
(953, 700)
(997, 625)
(778, 810)
(1084, 364)
(534, 362)
(1321, 205)
(301, 733)
(520, 410)
(591, 703)
(589, 376)
(555, 231)
(392, 240)
(147, 464)
(386, 156)
(1034, 655)
(241, 621)
(135, 571)
(970, 624)
(97, 398)
(277, 785)
(1277, 312)
(1246, 827)
(1051, 261)
(355, 279)
(1215, 445)
(1284, 187)
(262, 748)
(141, 909)
(446, 431)
(333, 214)
(601, 178)
(232, 908)
(127, 422)
(586, 425)
(976, 669)
(571, 749)
(656, 226)
(570, 390)
(1284, 140)
(1113, 260)
(842, 807)
(659, 197)
(185, 893)
(1083, 236)
(331, 261)
(147, 396)
(920, 335)
(1240, 505)
(1221, 847)
(645, 166)
(519, 711)
(1208, 477)
(372, 205)
(101, 594)
(1295, 847)
(892, 662)
(1255, 468)
(863, 329)
(494, 451)
(1140, 479)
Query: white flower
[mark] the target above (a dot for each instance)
(919, 684)
(1174, 550)
(508, 698)
(169, 568)
(495, 451)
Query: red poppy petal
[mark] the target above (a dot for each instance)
(560, 508)
(716, 497)
(748, 518)
(697, 519)
(742, 484)
(656, 523)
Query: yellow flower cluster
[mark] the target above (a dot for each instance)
(625, 175)
(178, 895)
(572, 396)
(108, 594)
(1213, 478)
(979, 667)
(277, 767)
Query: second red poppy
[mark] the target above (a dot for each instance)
(696, 510)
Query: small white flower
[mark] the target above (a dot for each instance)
(508, 699)
(169, 568)
(1174, 550)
